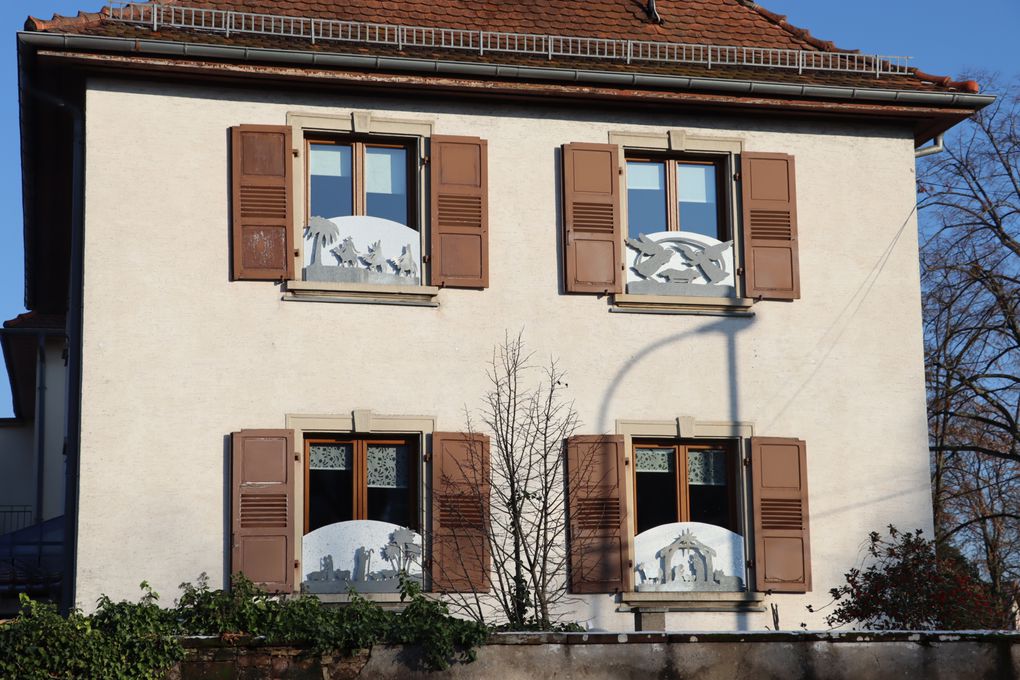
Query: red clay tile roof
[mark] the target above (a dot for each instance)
(36, 320)
(740, 23)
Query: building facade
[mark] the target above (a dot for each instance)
(291, 252)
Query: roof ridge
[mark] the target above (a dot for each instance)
(60, 21)
(796, 31)
(780, 20)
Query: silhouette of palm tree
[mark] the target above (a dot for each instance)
(320, 229)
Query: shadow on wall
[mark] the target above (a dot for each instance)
(727, 327)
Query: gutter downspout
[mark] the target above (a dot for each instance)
(40, 425)
(936, 147)
(72, 424)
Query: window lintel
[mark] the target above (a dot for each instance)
(676, 140)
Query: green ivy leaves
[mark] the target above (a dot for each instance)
(140, 640)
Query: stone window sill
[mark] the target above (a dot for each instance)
(630, 303)
(363, 293)
(692, 602)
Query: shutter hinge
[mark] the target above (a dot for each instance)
(749, 564)
(736, 177)
(740, 271)
(295, 152)
(630, 564)
(426, 259)
(297, 252)
(747, 462)
(297, 457)
(297, 564)
(425, 160)
(620, 169)
(427, 457)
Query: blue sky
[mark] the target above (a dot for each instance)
(945, 37)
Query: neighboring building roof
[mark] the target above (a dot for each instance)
(36, 321)
(736, 23)
(19, 352)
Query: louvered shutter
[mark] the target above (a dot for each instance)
(780, 498)
(771, 265)
(460, 512)
(262, 508)
(262, 202)
(460, 212)
(599, 550)
(593, 231)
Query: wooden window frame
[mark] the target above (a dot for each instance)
(358, 144)
(359, 496)
(671, 161)
(680, 451)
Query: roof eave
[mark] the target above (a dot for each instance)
(166, 48)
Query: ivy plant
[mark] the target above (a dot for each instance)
(141, 640)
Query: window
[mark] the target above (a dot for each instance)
(361, 518)
(362, 211)
(679, 237)
(675, 195)
(349, 478)
(684, 483)
(686, 533)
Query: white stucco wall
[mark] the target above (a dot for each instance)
(177, 356)
(17, 465)
(18, 445)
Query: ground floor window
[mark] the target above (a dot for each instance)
(677, 482)
(349, 478)
(361, 512)
(687, 533)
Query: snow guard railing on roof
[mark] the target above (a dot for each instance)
(229, 23)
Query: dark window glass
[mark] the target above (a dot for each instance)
(331, 193)
(656, 492)
(389, 483)
(697, 202)
(386, 183)
(646, 198)
(330, 484)
(708, 482)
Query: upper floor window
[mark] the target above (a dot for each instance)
(675, 195)
(362, 212)
(678, 235)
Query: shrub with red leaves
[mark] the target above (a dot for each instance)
(911, 585)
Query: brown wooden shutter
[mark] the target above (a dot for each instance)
(460, 512)
(262, 202)
(771, 265)
(592, 223)
(460, 212)
(780, 495)
(599, 549)
(262, 508)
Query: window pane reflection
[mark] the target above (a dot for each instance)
(331, 191)
(696, 192)
(646, 198)
(386, 183)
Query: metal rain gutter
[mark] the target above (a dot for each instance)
(168, 48)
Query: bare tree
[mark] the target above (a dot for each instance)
(971, 285)
(527, 418)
